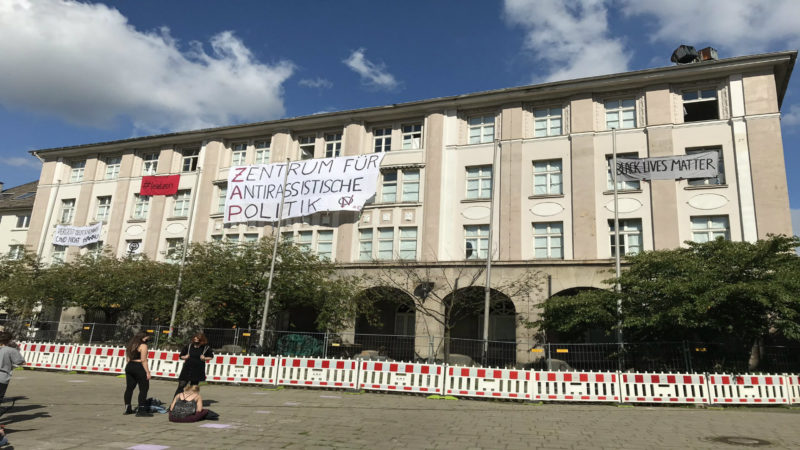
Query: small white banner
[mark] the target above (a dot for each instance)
(314, 185)
(77, 236)
(696, 165)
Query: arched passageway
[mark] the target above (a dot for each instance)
(391, 330)
(467, 319)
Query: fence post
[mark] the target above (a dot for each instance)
(549, 357)
(325, 345)
(687, 357)
(91, 333)
(430, 350)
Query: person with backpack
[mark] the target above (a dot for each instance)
(194, 357)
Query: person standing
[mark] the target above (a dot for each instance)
(194, 355)
(137, 372)
(9, 357)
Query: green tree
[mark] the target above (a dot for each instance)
(231, 279)
(714, 291)
(20, 289)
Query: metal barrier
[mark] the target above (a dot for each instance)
(401, 377)
(663, 388)
(575, 386)
(164, 363)
(495, 383)
(793, 384)
(318, 372)
(47, 356)
(98, 359)
(747, 389)
(242, 369)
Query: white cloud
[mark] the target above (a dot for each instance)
(790, 119)
(85, 64)
(317, 83)
(738, 26)
(570, 37)
(18, 161)
(371, 73)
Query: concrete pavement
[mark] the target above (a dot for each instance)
(66, 410)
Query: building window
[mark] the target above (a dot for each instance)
(112, 167)
(103, 208)
(383, 139)
(620, 114)
(222, 193)
(67, 211)
(479, 182)
(287, 237)
(410, 186)
(325, 244)
(476, 241)
(365, 244)
(412, 136)
(548, 240)
(700, 104)
(16, 251)
(622, 185)
(546, 122)
(408, 243)
(262, 151)
(630, 236)
(708, 228)
(547, 177)
(306, 147)
(232, 239)
(181, 207)
(216, 238)
(238, 153)
(95, 249)
(333, 145)
(141, 205)
(190, 158)
(304, 240)
(719, 179)
(174, 250)
(59, 251)
(250, 238)
(149, 164)
(76, 174)
(23, 220)
(389, 187)
(481, 129)
(386, 243)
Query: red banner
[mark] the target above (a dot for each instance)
(165, 185)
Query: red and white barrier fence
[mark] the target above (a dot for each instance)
(575, 386)
(494, 383)
(319, 372)
(437, 378)
(401, 377)
(663, 388)
(747, 389)
(243, 369)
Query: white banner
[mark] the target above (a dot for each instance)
(696, 165)
(77, 236)
(314, 185)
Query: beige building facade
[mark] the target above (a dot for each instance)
(531, 161)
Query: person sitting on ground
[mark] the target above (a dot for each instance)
(187, 406)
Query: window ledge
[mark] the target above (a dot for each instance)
(700, 187)
(137, 220)
(538, 196)
(216, 215)
(178, 218)
(393, 205)
(20, 229)
(624, 191)
(476, 200)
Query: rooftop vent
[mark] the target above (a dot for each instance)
(686, 54)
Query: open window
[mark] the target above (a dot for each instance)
(700, 104)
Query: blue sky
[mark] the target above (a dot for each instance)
(82, 72)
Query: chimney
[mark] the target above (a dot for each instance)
(708, 54)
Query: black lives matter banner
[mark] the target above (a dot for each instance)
(696, 165)
(314, 185)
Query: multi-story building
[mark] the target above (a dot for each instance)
(539, 152)
(16, 206)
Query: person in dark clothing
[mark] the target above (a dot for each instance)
(137, 372)
(194, 357)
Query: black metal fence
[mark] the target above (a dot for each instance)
(682, 357)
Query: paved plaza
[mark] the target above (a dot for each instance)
(67, 410)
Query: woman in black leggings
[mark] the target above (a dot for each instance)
(137, 372)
